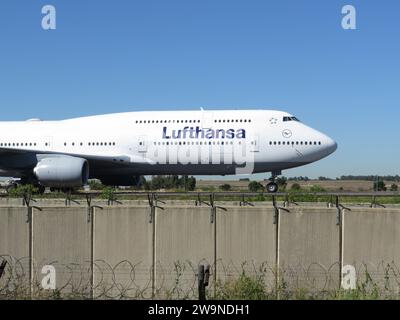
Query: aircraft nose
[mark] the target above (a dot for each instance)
(331, 145)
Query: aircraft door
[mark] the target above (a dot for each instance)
(48, 143)
(255, 144)
(142, 144)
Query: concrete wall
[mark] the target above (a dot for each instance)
(184, 239)
(14, 232)
(62, 238)
(14, 247)
(309, 248)
(246, 241)
(123, 252)
(124, 245)
(371, 243)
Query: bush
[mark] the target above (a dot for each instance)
(108, 193)
(282, 183)
(379, 186)
(96, 185)
(394, 187)
(244, 288)
(255, 186)
(317, 189)
(171, 182)
(225, 187)
(23, 190)
(295, 187)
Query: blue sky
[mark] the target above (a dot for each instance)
(114, 56)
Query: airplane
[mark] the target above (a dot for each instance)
(119, 148)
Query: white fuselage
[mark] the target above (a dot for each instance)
(168, 142)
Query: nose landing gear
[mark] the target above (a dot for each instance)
(273, 187)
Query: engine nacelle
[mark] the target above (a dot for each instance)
(62, 172)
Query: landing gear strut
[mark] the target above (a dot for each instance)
(272, 187)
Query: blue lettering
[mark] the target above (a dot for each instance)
(241, 134)
(165, 133)
(230, 134)
(198, 133)
(210, 134)
(220, 133)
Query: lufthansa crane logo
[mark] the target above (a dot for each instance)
(286, 133)
(273, 121)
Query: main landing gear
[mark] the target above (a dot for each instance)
(272, 187)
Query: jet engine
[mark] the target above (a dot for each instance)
(62, 172)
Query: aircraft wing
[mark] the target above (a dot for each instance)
(121, 159)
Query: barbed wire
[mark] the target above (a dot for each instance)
(178, 280)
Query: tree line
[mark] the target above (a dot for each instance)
(390, 178)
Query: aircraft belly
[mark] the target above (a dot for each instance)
(191, 169)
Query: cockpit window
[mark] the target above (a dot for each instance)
(290, 119)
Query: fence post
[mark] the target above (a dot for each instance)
(90, 219)
(27, 199)
(153, 203)
(203, 280)
(3, 267)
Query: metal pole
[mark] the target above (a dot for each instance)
(202, 289)
(30, 221)
(92, 239)
(203, 281)
(153, 271)
(215, 251)
(277, 262)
